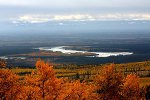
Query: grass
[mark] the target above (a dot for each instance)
(68, 72)
(144, 81)
(22, 70)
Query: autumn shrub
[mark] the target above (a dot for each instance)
(9, 85)
(43, 81)
(76, 90)
(42, 84)
(109, 83)
(131, 87)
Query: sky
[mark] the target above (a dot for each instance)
(41, 11)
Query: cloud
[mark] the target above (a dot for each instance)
(78, 9)
(79, 17)
(33, 19)
(72, 17)
(47, 18)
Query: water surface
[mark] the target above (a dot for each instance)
(95, 54)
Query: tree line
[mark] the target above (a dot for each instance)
(42, 84)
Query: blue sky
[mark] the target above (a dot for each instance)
(40, 11)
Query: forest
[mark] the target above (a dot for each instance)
(108, 82)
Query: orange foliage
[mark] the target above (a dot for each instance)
(77, 90)
(109, 83)
(131, 87)
(42, 84)
(9, 86)
(112, 86)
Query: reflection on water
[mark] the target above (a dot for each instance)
(96, 54)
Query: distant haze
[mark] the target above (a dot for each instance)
(74, 27)
(73, 16)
